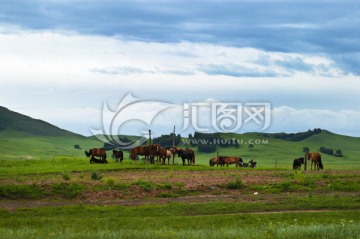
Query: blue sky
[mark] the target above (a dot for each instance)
(62, 60)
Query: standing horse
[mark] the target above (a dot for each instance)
(99, 152)
(297, 163)
(118, 155)
(315, 159)
(187, 154)
(145, 151)
(169, 155)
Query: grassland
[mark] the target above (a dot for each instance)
(66, 197)
(49, 189)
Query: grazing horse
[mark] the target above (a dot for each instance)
(118, 155)
(315, 159)
(213, 161)
(186, 154)
(99, 152)
(297, 163)
(222, 160)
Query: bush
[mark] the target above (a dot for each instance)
(96, 175)
(67, 190)
(207, 148)
(66, 176)
(236, 183)
(338, 153)
(326, 150)
(110, 181)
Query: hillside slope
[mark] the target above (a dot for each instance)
(10, 120)
(24, 137)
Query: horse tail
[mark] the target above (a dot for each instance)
(193, 158)
(321, 166)
(294, 164)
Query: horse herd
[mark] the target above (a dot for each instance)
(155, 151)
(222, 160)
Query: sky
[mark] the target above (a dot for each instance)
(129, 66)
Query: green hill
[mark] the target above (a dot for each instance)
(24, 137)
(269, 150)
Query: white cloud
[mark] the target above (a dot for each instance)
(65, 77)
(289, 119)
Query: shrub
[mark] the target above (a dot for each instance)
(236, 183)
(110, 181)
(66, 176)
(96, 175)
(67, 190)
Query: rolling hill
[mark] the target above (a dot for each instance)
(22, 137)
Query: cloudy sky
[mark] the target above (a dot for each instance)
(74, 63)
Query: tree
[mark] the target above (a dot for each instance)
(338, 153)
(207, 148)
(76, 146)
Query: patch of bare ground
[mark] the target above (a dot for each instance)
(204, 186)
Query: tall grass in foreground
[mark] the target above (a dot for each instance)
(96, 222)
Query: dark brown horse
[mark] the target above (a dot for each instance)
(96, 152)
(186, 154)
(315, 158)
(297, 163)
(118, 155)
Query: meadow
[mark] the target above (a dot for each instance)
(67, 197)
(49, 189)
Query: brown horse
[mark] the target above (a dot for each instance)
(144, 151)
(99, 152)
(213, 161)
(186, 154)
(163, 154)
(222, 160)
(315, 159)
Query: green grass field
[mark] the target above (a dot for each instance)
(216, 220)
(49, 189)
